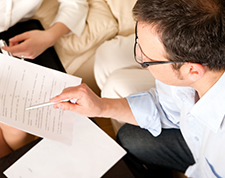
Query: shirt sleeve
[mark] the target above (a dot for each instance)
(154, 112)
(73, 14)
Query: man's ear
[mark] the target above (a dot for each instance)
(195, 71)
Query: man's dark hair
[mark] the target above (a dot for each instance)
(191, 30)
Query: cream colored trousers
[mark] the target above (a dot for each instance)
(117, 73)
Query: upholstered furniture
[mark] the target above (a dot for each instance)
(106, 19)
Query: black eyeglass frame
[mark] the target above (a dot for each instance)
(146, 64)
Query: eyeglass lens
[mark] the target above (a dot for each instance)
(138, 53)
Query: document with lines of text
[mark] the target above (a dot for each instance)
(23, 84)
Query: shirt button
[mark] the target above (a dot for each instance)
(197, 139)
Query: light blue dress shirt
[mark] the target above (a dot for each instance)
(201, 123)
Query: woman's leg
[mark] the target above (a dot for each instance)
(10, 136)
(5, 149)
(15, 138)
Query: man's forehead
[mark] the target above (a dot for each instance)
(151, 26)
(146, 29)
(149, 40)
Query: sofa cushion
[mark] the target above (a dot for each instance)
(72, 50)
(122, 11)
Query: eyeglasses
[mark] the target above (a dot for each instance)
(139, 54)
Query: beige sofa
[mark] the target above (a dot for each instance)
(106, 19)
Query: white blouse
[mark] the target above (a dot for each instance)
(72, 13)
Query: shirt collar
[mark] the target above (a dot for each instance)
(209, 110)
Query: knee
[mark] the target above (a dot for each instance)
(128, 138)
(137, 141)
(11, 131)
(17, 133)
(123, 136)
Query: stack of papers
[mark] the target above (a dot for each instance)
(24, 84)
(91, 155)
(73, 146)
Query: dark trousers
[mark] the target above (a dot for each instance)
(48, 58)
(149, 156)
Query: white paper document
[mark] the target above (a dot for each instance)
(93, 152)
(23, 84)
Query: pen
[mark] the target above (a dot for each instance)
(49, 103)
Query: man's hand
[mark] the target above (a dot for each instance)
(91, 105)
(88, 103)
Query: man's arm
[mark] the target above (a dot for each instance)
(89, 104)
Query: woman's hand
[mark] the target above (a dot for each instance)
(29, 44)
(32, 43)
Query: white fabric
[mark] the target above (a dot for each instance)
(72, 13)
(116, 72)
(122, 12)
(202, 123)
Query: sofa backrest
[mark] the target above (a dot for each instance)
(122, 11)
(100, 26)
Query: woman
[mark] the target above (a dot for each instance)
(27, 39)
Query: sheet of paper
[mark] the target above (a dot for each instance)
(24, 84)
(91, 155)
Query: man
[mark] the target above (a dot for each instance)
(182, 43)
